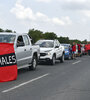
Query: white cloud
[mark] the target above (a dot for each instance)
(2, 22)
(19, 1)
(27, 13)
(67, 20)
(63, 21)
(75, 4)
(86, 13)
(45, 1)
(55, 20)
(84, 20)
(58, 21)
(78, 1)
(42, 16)
(21, 12)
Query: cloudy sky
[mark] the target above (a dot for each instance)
(64, 17)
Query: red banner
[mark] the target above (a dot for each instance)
(8, 65)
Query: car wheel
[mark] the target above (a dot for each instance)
(34, 63)
(53, 60)
(62, 58)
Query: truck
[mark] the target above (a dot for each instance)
(50, 51)
(27, 55)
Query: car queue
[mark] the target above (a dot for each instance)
(28, 55)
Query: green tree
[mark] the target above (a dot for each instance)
(7, 30)
(85, 41)
(35, 34)
(49, 35)
(1, 30)
(63, 40)
(76, 41)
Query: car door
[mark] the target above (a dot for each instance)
(57, 49)
(28, 49)
(20, 51)
(60, 50)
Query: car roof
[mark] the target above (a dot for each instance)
(7, 33)
(46, 40)
(65, 44)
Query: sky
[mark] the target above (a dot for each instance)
(64, 17)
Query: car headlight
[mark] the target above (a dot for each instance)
(48, 53)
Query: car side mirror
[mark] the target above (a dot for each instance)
(56, 46)
(20, 44)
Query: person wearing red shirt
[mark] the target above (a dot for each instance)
(74, 50)
(79, 49)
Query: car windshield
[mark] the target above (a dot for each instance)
(45, 44)
(7, 38)
(66, 47)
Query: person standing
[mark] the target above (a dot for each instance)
(74, 50)
(79, 49)
(70, 50)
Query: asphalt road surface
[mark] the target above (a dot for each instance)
(63, 81)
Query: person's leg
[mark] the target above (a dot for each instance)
(79, 54)
(74, 55)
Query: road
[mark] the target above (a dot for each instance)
(63, 81)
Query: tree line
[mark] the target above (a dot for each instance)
(7, 30)
(37, 35)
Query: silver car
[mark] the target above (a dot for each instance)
(26, 54)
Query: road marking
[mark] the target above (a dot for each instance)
(25, 83)
(76, 62)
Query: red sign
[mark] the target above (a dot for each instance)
(8, 65)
